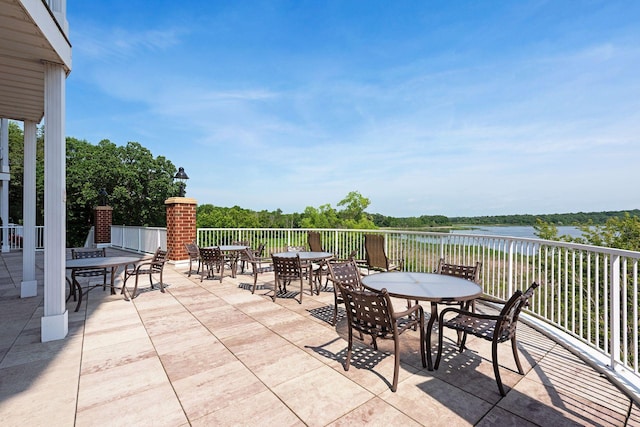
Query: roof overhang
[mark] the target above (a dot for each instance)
(30, 36)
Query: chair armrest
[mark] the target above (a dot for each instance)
(362, 263)
(489, 298)
(410, 310)
(470, 314)
(135, 267)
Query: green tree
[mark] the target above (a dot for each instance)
(545, 230)
(209, 216)
(323, 217)
(617, 232)
(353, 214)
(354, 205)
(621, 232)
(137, 184)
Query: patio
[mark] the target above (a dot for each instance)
(212, 353)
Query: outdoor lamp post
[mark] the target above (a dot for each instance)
(181, 177)
(103, 196)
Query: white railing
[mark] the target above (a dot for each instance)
(14, 236)
(587, 292)
(138, 239)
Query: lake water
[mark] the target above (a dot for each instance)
(516, 231)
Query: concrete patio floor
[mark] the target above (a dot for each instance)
(212, 353)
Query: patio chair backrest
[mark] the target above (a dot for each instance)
(314, 240)
(468, 272)
(79, 253)
(375, 253)
(160, 257)
(192, 250)
(287, 268)
(506, 328)
(211, 256)
(248, 254)
(369, 312)
(259, 250)
(346, 273)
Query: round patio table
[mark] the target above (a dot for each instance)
(112, 262)
(231, 248)
(435, 288)
(306, 255)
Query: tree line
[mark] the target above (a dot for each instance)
(578, 218)
(351, 214)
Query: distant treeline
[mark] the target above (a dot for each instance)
(579, 218)
(327, 217)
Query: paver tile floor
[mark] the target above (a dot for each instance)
(211, 353)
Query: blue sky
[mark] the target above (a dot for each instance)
(427, 108)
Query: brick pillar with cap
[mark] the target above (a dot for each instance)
(102, 219)
(181, 226)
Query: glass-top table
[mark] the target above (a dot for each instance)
(435, 288)
(112, 262)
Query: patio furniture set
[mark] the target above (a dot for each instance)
(367, 297)
(90, 263)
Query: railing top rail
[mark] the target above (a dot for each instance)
(139, 226)
(567, 245)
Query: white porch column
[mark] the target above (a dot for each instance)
(55, 322)
(4, 181)
(29, 285)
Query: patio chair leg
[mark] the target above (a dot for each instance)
(514, 348)
(79, 299)
(440, 338)
(255, 281)
(463, 342)
(496, 370)
(301, 290)
(72, 290)
(396, 366)
(347, 361)
(135, 288)
(422, 342)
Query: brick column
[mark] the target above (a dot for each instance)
(102, 219)
(181, 226)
